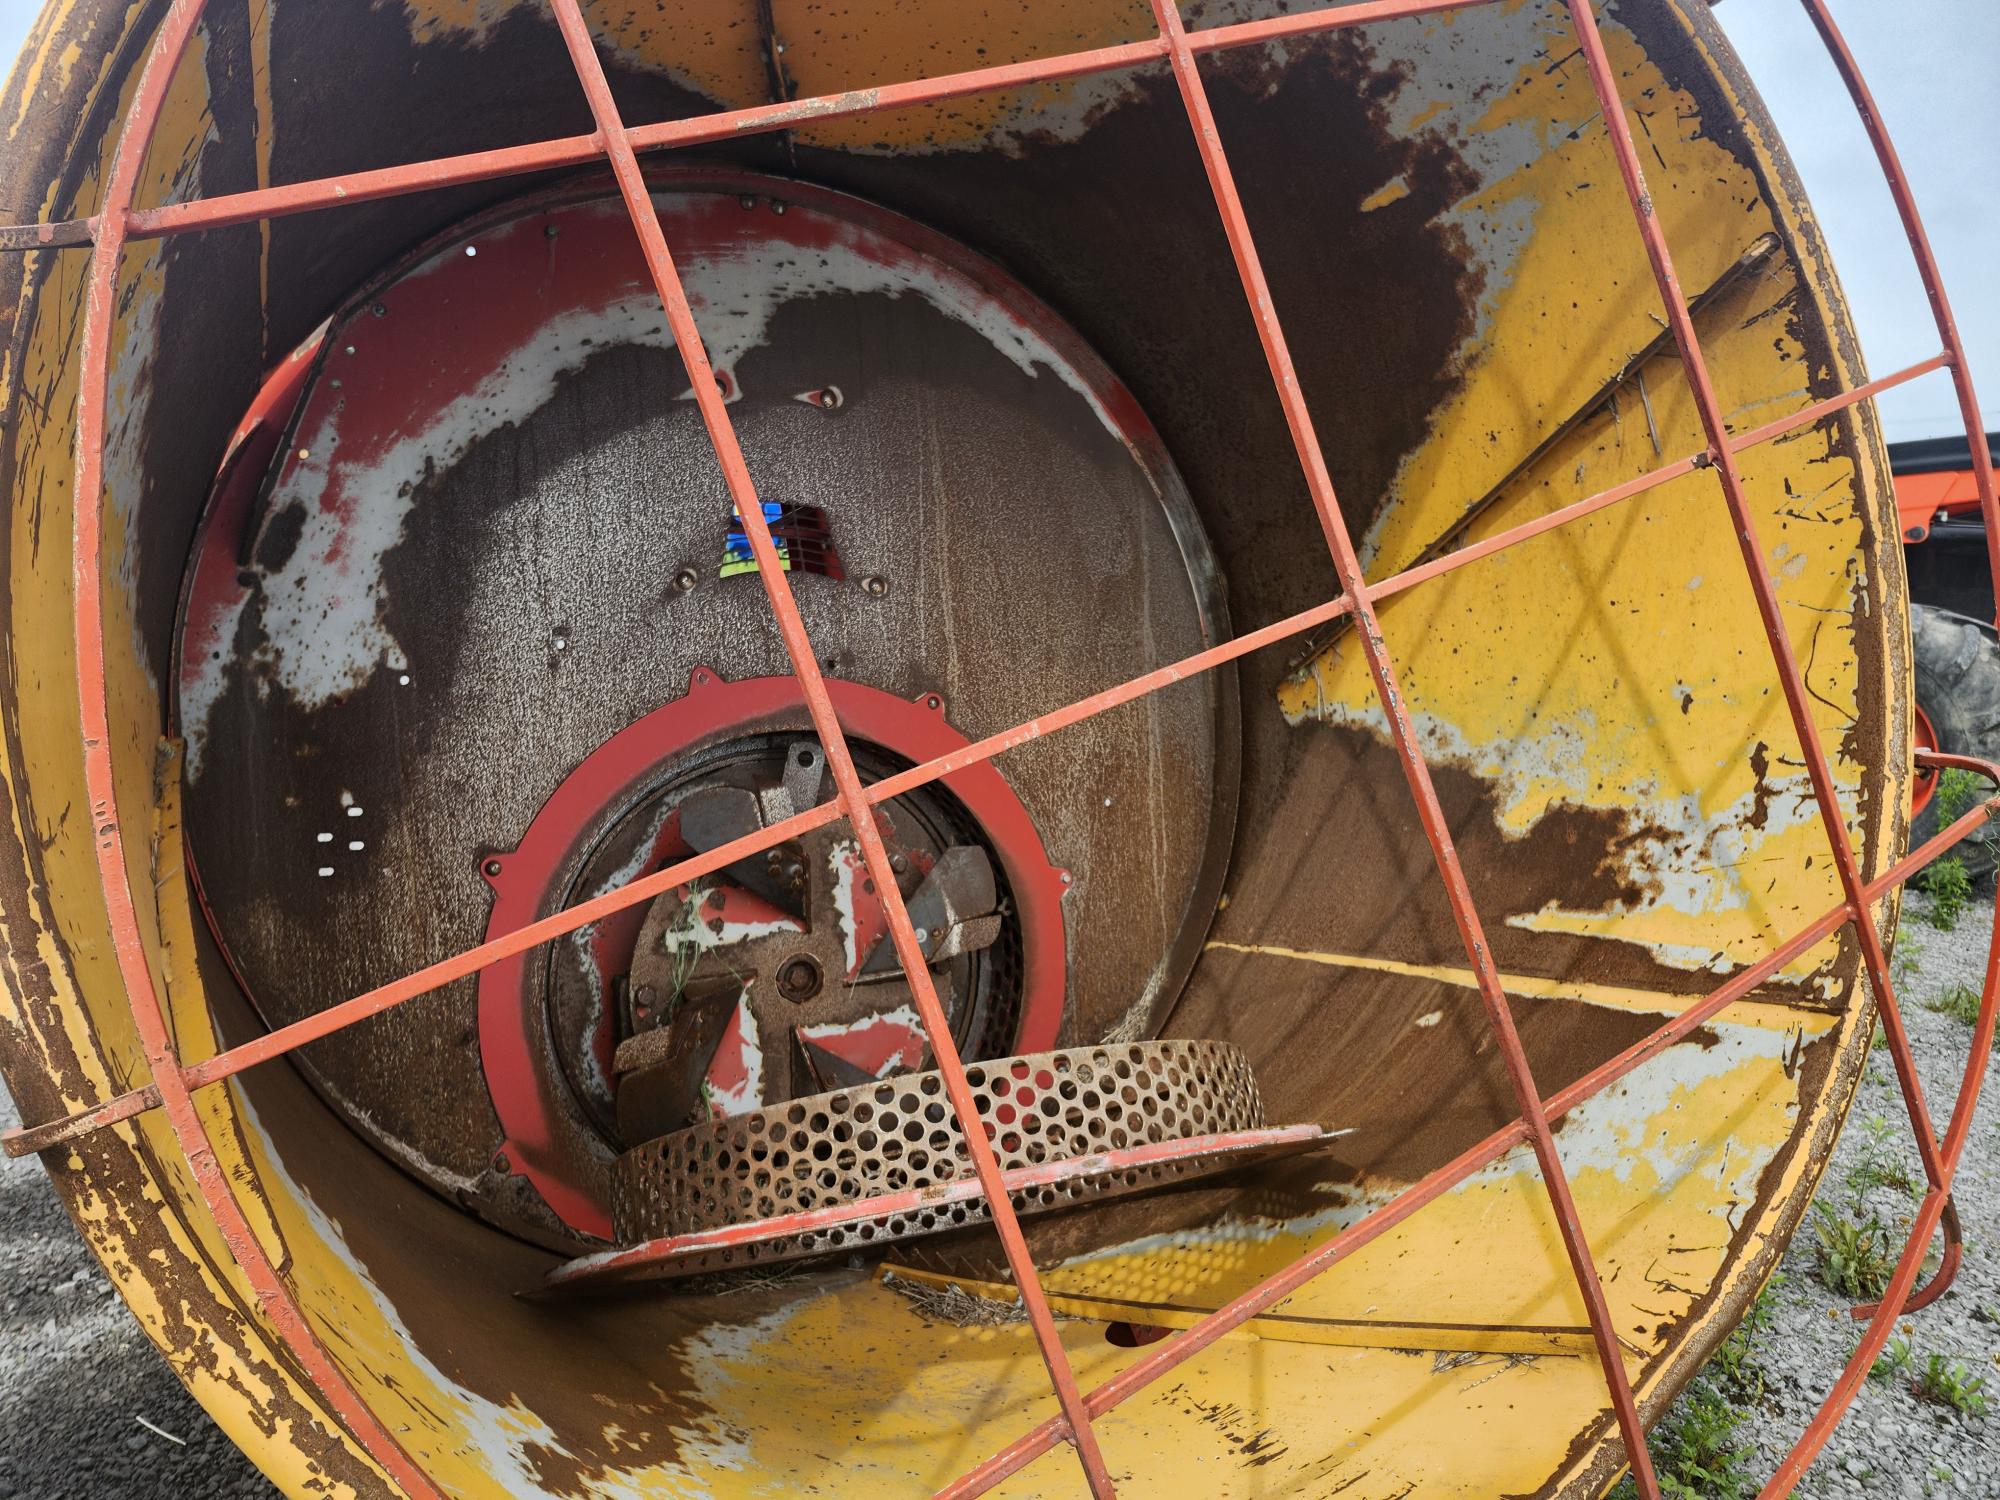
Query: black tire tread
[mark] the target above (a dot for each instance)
(1957, 663)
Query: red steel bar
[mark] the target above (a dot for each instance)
(1162, 1357)
(607, 1264)
(116, 223)
(1792, 681)
(839, 760)
(1281, 1284)
(1927, 269)
(128, 941)
(23, 1141)
(1937, 1205)
(1894, 1299)
(229, 209)
(1250, 270)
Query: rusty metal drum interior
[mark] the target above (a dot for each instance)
(429, 614)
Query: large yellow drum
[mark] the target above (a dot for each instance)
(427, 614)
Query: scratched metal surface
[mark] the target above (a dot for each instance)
(1457, 277)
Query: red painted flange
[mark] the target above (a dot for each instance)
(524, 884)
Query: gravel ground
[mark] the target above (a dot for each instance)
(1892, 1443)
(76, 1375)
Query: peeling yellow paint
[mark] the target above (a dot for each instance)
(914, 1402)
(1774, 1015)
(1393, 191)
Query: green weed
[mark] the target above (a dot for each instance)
(1697, 1451)
(1879, 1163)
(1909, 953)
(1895, 1361)
(1950, 888)
(1738, 1369)
(1852, 1256)
(1946, 1382)
(1961, 1003)
(1956, 791)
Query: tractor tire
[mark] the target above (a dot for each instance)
(1958, 687)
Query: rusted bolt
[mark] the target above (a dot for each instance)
(799, 978)
(686, 579)
(875, 584)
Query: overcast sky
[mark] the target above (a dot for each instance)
(1935, 68)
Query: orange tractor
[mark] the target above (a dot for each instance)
(1956, 654)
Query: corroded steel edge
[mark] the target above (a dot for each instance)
(1933, 1209)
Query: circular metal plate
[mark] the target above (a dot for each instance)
(495, 538)
(899, 1134)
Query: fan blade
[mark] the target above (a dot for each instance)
(958, 890)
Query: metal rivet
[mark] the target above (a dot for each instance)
(686, 579)
(493, 867)
(875, 584)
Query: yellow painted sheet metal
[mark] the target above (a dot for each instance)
(1620, 662)
(1667, 1174)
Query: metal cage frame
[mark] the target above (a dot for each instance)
(613, 141)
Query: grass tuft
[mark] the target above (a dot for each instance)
(1698, 1452)
(1961, 1003)
(1853, 1256)
(1944, 1382)
(1880, 1163)
(1950, 889)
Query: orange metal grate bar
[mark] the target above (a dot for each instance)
(117, 222)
